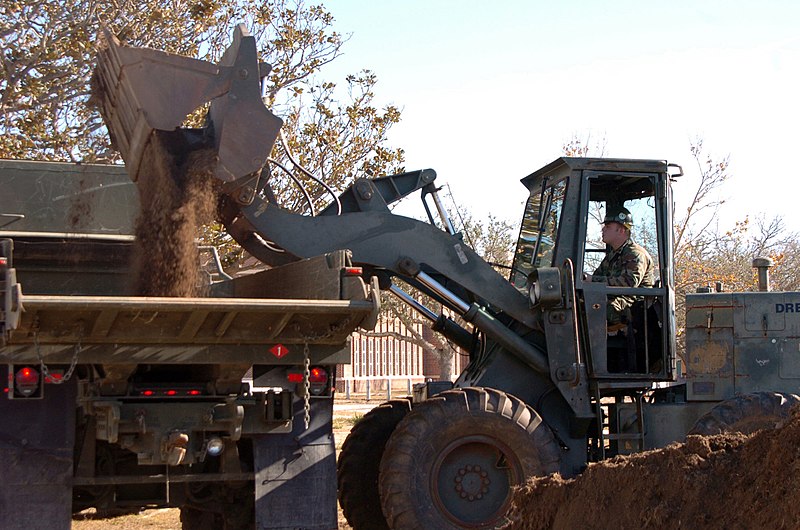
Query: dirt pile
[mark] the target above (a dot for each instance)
(723, 481)
(177, 197)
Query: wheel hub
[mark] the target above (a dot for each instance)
(473, 478)
(472, 482)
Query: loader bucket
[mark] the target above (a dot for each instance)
(141, 90)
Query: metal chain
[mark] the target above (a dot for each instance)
(46, 371)
(306, 387)
(307, 363)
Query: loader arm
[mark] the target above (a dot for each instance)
(381, 239)
(137, 84)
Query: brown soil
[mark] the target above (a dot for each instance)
(80, 213)
(177, 197)
(723, 481)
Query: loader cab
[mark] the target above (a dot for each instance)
(561, 231)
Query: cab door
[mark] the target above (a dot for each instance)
(637, 348)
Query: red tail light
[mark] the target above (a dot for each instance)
(26, 381)
(55, 376)
(318, 376)
(27, 376)
(353, 271)
(317, 379)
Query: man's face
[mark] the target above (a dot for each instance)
(614, 234)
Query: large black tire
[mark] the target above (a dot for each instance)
(194, 519)
(453, 462)
(357, 468)
(237, 513)
(228, 506)
(747, 413)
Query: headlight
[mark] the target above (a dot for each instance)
(215, 446)
(545, 287)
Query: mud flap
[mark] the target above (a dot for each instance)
(296, 473)
(36, 458)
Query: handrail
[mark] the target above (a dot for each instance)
(574, 294)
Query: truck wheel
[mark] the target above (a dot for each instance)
(194, 519)
(237, 512)
(453, 462)
(358, 464)
(746, 413)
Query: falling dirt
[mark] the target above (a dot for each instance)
(177, 198)
(727, 481)
(80, 214)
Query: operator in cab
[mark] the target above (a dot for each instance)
(627, 265)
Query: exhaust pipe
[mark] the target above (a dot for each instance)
(762, 265)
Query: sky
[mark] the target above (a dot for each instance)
(491, 91)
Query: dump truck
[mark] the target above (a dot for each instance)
(548, 387)
(117, 401)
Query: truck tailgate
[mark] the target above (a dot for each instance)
(153, 329)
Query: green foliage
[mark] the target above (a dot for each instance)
(48, 57)
(336, 140)
(347, 422)
(492, 239)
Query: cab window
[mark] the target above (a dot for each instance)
(642, 208)
(538, 232)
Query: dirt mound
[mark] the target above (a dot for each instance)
(723, 481)
(177, 196)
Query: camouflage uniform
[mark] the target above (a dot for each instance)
(628, 266)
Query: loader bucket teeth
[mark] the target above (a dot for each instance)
(141, 90)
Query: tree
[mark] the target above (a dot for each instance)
(707, 254)
(492, 239)
(696, 234)
(582, 147)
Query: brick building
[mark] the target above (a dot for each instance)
(387, 359)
